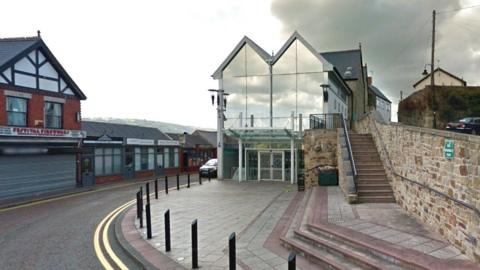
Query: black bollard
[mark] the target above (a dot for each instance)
(231, 252)
(149, 221)
(141, 193)
(156, 188)
(138, 205)
(209, 176)
(147, 190)
(199, 178)
(141, 212)
(178, 182)
(194, 245)
(166, 184)
(291, 261)
(167, 230)
(188, 180)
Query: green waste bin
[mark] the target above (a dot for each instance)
(328, 178)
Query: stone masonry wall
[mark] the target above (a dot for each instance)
(320, 148)
(412, 153)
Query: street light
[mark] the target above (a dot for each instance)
(221, 107)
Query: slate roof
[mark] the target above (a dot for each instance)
(378, 93)
(191, 140)
(12, 49)
(98, 129)
(443, 70)
(209, 136)
(345, 59)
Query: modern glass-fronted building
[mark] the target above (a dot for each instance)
(270, 99)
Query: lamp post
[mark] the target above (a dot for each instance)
(432, 87)
(221, 107)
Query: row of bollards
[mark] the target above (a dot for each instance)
(194, 226)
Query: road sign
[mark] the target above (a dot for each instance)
(448, 149)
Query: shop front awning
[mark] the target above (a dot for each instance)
(261, 134)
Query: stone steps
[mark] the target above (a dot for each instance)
(371, 178)
(330, 252)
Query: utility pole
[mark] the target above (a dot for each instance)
(432, 77)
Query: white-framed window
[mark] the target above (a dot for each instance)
(16, 111)
(53, 115)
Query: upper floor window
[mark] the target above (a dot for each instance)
(53, 115)
(16, 111)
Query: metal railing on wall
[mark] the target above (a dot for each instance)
(326, 121)
(350, 153)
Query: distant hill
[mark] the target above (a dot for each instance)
(165, 127)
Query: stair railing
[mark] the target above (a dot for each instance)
(350, 153)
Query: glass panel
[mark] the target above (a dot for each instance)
(8, 73)
(41, 57)
(137, 159)
(108, 163)
(25, 65)
(160, 160)
(255, 65)
(16, 111)
(287, 63)
(48, 85)
(277, 166)
(117, 151)
(25, 80)
(53, 115)
(265, 165)
(306, 61)
(151, 158)
(117, 163)
(167, 157)
(48, 71)
(98, 164)
(176, 159)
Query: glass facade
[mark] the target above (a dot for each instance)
(295, 81)
(144, 158)
(167, 157)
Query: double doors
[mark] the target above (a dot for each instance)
(271, 165)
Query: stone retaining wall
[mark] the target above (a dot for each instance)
(320, 148)
(441, 192)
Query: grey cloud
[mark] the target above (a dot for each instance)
(394, 35)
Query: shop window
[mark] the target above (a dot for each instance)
(53, 115)
(129, 157)
(144, 158)
(176, 158)
(108, 161)
(16, 111)
(167, 157)
(160, 158)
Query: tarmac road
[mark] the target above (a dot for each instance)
(59, 234)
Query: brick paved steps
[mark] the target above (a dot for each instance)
(366, 157)
(380, 177)
(367, 186)
(367, 247)
(386, 191)
(321, 258)
(363, 171)
(376, 198)
(371, 166)
(343, 251)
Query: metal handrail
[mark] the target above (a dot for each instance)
(350, 153)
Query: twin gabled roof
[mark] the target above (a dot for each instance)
(269, 58)
(13, 50)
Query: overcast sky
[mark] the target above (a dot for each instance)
(153, 59)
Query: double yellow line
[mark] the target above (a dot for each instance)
(104, 225)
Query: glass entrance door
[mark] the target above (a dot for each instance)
(271, 166)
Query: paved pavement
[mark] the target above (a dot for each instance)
(251, 210)
(58, 234)
(388, 222)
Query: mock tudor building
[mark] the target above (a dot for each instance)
(40, 121)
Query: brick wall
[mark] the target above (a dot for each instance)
(442, 190)
(319, 149)
(108, 179)
(36, 110)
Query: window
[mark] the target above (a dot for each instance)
(53, 115)
(16, 111)
(144, 158)
(167, 157)
(160, 157)
(176, 158)
(108, 161)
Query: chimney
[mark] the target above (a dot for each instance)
(369, 80)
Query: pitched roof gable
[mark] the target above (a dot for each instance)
(442, 70)
(14, 49)
(245, 40)
(378, 93)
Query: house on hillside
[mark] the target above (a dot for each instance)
(272, 98)
(442, 78)
(40, 121)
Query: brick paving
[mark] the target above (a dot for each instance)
(252, 210)
(390, 223)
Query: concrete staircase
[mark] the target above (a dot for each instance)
(372, 183)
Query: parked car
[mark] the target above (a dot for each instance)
(470, 125)
(209, 168)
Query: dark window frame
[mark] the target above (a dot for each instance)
(45, 114)
(112, 155)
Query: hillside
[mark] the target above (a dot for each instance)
(452, 103)
(165, 127)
